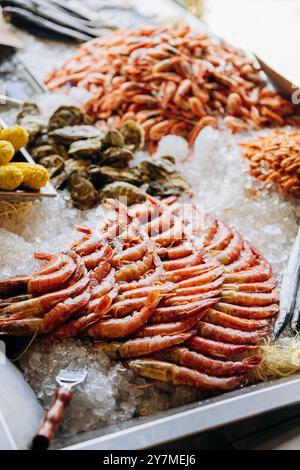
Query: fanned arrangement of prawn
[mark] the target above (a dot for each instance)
(180, 297)
(225, 347)
(172, 82)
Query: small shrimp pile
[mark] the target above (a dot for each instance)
(172, 82)
(178, 299)
(275, 159)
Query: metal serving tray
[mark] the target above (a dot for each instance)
(142, 433)
(161, 428)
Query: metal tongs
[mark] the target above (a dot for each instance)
(290, 285)
(290, 293)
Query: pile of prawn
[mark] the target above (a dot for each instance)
(179, 296)
(172, 82)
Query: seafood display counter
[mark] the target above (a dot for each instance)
(142, 303)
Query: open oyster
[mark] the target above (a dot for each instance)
(120, 189)
(134, 135)
(69, 134)
(54, 164)
(107, 174)
(66, 116)
(85, 148)
(113, 138)
(42, 151)
(118, 157)
(31, 119)
(82, 191)
(162, 177)
(71, 167)
(28, 108)
(80, 167)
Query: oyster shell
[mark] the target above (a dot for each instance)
(66, 116)
(162, 177)
(82, 191)
(134, 135)
(71, 167)
(59, 181)
(78, 167)
(42, 151)
(31, 119)
(113, 138)
(42, 139)
(118, 157)
(54, 164)
(69, 134)
(107, 174)
(122, 190)
(62, 151)
(85, 148)
(28, 108)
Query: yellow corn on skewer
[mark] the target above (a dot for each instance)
(11, 177)
(34, 176)
(16, 135)
(7, 151)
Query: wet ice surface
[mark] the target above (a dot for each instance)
(220, 181)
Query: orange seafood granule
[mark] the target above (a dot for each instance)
(172, 82)
(276, 158)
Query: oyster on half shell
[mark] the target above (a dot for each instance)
(54, 164)
(134, 135)
(82, 191)
(162, 177)
(66, 116)
(68, 134)
(113, 138)
(121, 190)
(118, 157)
(107, 174)
(31, 119)
(85, 148)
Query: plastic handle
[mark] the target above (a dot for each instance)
(52, 419)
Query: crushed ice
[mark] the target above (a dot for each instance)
(220, 179)
(110, 393)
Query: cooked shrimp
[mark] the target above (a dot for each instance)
(167, 329)
(183, 356)
(179, 375)
(230, 321)
(229, 335)
(46, 282)
(178, 312)
(141, 346)
(218, 348)
(122, 327)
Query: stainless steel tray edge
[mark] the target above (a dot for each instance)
(206, 415)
